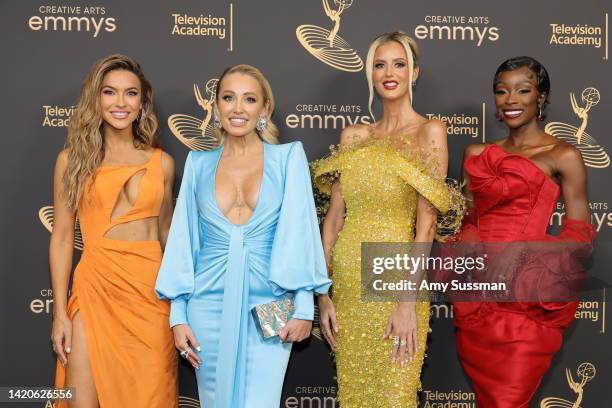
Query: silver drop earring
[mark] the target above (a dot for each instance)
(262, 123)
(216, 121)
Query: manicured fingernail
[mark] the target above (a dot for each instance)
(199, 348)
(67, 349)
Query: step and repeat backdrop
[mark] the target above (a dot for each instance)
(313, 53)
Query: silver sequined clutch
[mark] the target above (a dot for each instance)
(272, 317)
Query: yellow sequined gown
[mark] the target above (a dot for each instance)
(380, 188)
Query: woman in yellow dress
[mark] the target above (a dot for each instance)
(381, 190)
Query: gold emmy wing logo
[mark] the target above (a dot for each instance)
(197, 134)
(328, 46)
(593, 153)
(316, 325)
(187, 402)
(47, 217)
(586, 372)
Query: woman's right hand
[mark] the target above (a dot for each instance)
(61, 337)
(185, 342)
(327, 319)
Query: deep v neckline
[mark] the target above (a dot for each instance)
(261, 184)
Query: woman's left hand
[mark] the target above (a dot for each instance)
(403, 325)
(296, 330)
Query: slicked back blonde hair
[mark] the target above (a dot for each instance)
(270, 133)
(412, 54)
(85, 143)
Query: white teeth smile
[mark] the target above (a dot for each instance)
(390, 84)
(512, 113)
(237, 121)
(119, 115)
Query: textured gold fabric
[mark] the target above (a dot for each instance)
(380, 187)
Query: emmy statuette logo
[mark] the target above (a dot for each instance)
(328, 46)
(187, 402)
(197, 134)
(47, 217)
(592, 152)
(316, 325)
(586, 372)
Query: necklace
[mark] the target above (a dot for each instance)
(239, 204)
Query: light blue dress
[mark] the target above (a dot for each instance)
(214, 272)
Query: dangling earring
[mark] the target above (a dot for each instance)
(262, 123)
(540, 114)
(141, 116)
(413, 84)
(216, 120)
(498, 116)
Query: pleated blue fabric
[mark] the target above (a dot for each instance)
(214, 272)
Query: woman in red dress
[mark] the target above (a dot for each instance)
(514, 184)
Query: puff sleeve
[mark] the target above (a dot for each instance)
(297, 262)
(175, 280)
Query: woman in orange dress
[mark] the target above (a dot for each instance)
(112, 337)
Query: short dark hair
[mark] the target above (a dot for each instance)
(542, 78)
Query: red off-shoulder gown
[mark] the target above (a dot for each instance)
(506, 348)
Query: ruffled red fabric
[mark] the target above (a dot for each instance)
(506, 348)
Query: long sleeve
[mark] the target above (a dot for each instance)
(297, 261)
(175, 280)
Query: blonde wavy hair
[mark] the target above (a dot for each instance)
(412, 54)
(270, 133)
(85, 143)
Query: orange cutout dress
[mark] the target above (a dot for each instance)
(130, 344)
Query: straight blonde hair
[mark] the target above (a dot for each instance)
(412, 53)
(270, 133)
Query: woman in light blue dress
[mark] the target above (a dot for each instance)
(244, 233)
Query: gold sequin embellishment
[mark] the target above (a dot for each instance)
(380, 187)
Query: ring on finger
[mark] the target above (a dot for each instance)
(185, 353)
(396, 341)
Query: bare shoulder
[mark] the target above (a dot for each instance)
(433, 132)
(434, 128)
(474, 149)
(62, 160)
(167, 163)
(354, 134)
(567, 155)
